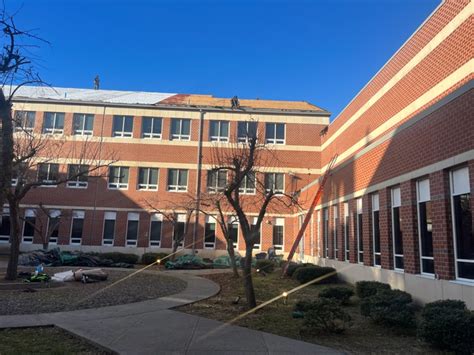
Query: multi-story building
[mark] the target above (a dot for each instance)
(396, 208)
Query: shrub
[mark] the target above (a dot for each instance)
(448, 325)
(339, 293)
(303, 306)
(117, 257)
(149, 258)
(294, 266)
(309, 273)
(265, 265)
(325, 315)
(369, 288)
(391, 308)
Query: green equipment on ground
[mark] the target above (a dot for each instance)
(188, 261)
(223, 261)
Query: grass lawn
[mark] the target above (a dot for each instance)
(361, 338)
(44, 340)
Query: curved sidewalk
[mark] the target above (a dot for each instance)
(150, 327)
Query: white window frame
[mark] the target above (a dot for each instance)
(54, 130)
(122, 133)
(118, 185)
(326, 232)
(155, 217)
(181, 218)
(257, 246)
(48, 181)
(178, 188)
(245, 139)
(76, 184)
(359, 211)
(347, 250)
(318, 234)
(148, 186)
(23, 128)
(5, 212)
(76, 215)
(274, 128)
(151, 135)
(219, 137)
(216, 188)
(335, 223)
(210, 220)
(396, 202)
(180, 136)
(53, 214)
(276, 191)
(279, 221)
(423, 194)
(82, 131)
(376, 208)
(109, 216)
(234, 220)
(132, 217)
(28, 239)
(248, 190)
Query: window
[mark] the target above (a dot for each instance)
(78, 175)
(396, 230)
(179, 230)
(376, 230)
(246, 130)
(118, 177)
(216, 180)
(257, 234)
(122, 126)
(147, 179)
(156, 221)
(53, 123)
(48, 173)
(180, 129)
(77, 227)
(274, 182)
(82, 124)
(109, 228)
(278, 233)
(233, 229)
(275, 133)
(335, 222)
(425, 226)
(24, 121)
(219, 131)
(247, 185)
(346, 231)
(462, 224)
(132, 229)
(360, 234)
(326, 232)
(53, 226)
(177, 180)
(5, 226)
(151, 127)
(210, 233)
(29, 226)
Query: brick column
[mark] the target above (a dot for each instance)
(367, 230)
(443, 246)
(352, 231)
(385, 220)
(409, 226)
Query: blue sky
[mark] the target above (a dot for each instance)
(323, 52)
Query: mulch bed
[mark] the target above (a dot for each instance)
(140, 287)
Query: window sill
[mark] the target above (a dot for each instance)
(463, 282)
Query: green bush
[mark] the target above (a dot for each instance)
(448, 325)
(117, 257)
(369, 288)
(294, 266)
(391, 308)
(339, 293)
(309, 273)
(325, 315)
(265, 265)
(149, 258)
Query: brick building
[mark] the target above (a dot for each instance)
(396, 208)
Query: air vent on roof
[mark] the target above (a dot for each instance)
(235, 102)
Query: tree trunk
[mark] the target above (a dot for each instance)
(230, 250)
(174, 249)
(15, 227)
(248, 282)
(45, 246)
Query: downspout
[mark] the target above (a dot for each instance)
(198, 180)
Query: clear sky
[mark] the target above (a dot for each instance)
(323, 52)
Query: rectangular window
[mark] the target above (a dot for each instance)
(48, 173)
(54, 221)
(219, 131)
(24, 121)
(156, 222)
(275, 133)
(360, 234)
(346, 231)
(335, 223)
(132, 229)
(5, 226)
(210, 233)
(78, 176)
(180, 129)
(109, 228)
(148, 179)
(151, 127)
(82, 124)
(326, 232)
(177, 180)
(275, 182)
(257, 235)
(462, 224)
(247, 185)
(396, 229)
(179, 230)
(246, 131)
(376, 230)
(278, 233)
(233, 228)
(118, 177)
(53, 123)
(216, 180)
(29, 226)
(425, 225)
(77, 227)
(122, 126)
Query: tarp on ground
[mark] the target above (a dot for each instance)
(223, 261)
(188, 261)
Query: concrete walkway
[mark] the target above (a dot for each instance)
(150, 327)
